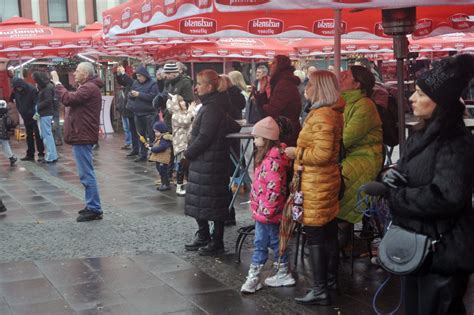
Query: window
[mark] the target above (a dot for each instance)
(9, 9)
(57, 11)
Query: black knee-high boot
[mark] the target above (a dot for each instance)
(333, 264)
(318, 294)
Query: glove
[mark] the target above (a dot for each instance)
(394, 178)
(184, 163)
(36, 116)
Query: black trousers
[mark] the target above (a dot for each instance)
(32, 137)
(181, 173)
(217, 233)
(321, 235)
(133, 131)
(435, 294)
(144, 125)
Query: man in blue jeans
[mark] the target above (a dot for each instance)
(81, 130)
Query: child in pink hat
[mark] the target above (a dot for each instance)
(267, 199)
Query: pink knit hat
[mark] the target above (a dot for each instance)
(266, 128)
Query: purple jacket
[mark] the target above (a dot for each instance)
(269, 192)
(81, 125)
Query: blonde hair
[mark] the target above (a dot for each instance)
(224, 83)
(238, 79)
(210, 77)
(326, 88)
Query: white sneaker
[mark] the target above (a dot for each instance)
(283, 277)
(252, 284)
(180, 191)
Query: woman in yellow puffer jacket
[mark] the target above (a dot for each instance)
(318, 150)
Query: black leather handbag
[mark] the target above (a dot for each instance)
(402, 252)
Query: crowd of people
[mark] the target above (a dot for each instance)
(308, 118)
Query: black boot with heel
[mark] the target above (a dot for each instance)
(318, 294)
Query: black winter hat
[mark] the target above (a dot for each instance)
(448, 78)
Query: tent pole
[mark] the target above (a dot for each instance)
(337, 42)
(223, 66)
(400, 49)
(192, 70)
(252, 74)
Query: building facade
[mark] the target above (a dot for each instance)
(71, 15)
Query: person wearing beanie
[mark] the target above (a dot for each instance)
(285, 99)
(175, 83)
(170, 68)
(430, 189)
(267, 199)
(161, 153)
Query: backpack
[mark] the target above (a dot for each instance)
(389, 116)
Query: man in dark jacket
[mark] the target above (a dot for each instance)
(81, 130)
(128, 119)
(176, 83)
(140, 98)
(26, 96)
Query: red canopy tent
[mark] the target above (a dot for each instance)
(360, 19)
(24, 37)
(279, 18)
(229, 48)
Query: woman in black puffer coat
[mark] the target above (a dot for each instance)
(45, 110)
(436, 198)
(207, 190)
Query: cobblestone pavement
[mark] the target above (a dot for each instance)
(133, 261)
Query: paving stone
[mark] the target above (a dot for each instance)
(133, 261)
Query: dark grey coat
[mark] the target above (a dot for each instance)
(437, 199)
(207, 190)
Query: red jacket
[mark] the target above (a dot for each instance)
(81, 125)
(285, 100)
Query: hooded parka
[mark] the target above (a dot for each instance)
(207, 191)
(25, 99)
(46, 99)
(142, 104)
(362, 139)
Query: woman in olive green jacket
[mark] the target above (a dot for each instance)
(362, 137)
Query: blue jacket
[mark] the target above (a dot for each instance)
(142, 104)
(161, 144)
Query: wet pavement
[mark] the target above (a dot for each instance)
(133, 261)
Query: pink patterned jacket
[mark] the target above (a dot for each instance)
(269, 189)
